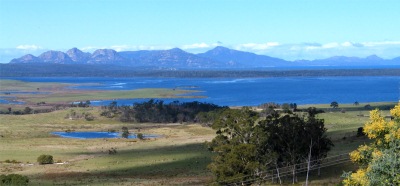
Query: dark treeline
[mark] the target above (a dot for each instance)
(157, 111)
(76, 70)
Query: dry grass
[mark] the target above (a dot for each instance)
(179, 156)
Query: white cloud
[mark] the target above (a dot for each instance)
(119, 48)
(257, 46)
(332, 45)
(196, 45)
(373, 44)
(28, 47)
(90, 48)
(295, 51)
(347, 44)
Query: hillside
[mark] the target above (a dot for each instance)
(217, 58)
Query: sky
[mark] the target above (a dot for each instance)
(288, 29)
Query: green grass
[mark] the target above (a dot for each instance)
(58, 93)
(15, 85)
(178, 158)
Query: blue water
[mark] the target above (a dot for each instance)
(252, 91)
(92, 135)
(10, 100)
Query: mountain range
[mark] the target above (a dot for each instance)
(219, 57)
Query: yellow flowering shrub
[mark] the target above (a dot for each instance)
(395, 112)
(386, 133)
(376, 153)
(361, 154)
(376, 126)
(357, 179)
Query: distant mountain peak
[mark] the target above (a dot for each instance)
(78, 56)
(28, 58)
(240, 58)
(104, 56)
(55, 57)
(177, 58)
(373, 57)
(176, 50)
(219, 49)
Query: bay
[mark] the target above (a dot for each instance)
(251, 91)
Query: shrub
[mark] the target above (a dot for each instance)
(140, 136)
(125, 132)
(13, 179)
(112, 151)
(45, 159)
(89, 117)
(368, 107)
(360, 132)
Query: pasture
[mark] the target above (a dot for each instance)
(178, 157)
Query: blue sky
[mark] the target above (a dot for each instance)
(289, 29)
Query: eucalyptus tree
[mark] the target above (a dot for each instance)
(236, 145)
(246, 145)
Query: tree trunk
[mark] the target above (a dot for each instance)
(279, 177)
(308, 163)
(319, 169)
(294, 174)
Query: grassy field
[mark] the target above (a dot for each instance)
(178, 157)
(34, 92)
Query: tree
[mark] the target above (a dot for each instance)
(140, 136)
(45, 159)
(379, 161)
(13, 179)
(245, 148)
(356, 103)
(125, 132)
(27, 110)
(236, 146)
(334, 104)
(290, 137)
(87, 103)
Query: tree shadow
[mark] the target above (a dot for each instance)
(174, 162)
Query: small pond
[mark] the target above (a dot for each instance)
(10, 100)
(92, 135)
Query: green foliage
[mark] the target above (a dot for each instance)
(236, 147)
(13, 179)
(125, 132)
(140, 136)
(155, 111)
(246, 147)
(81, 104)
(27, 110)
(45, 159)
(379, 161)
(207, 118)
(290, 137)
(360, 132)
(88, 116)
(112, 151)
(334, 104)
(12, 161)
